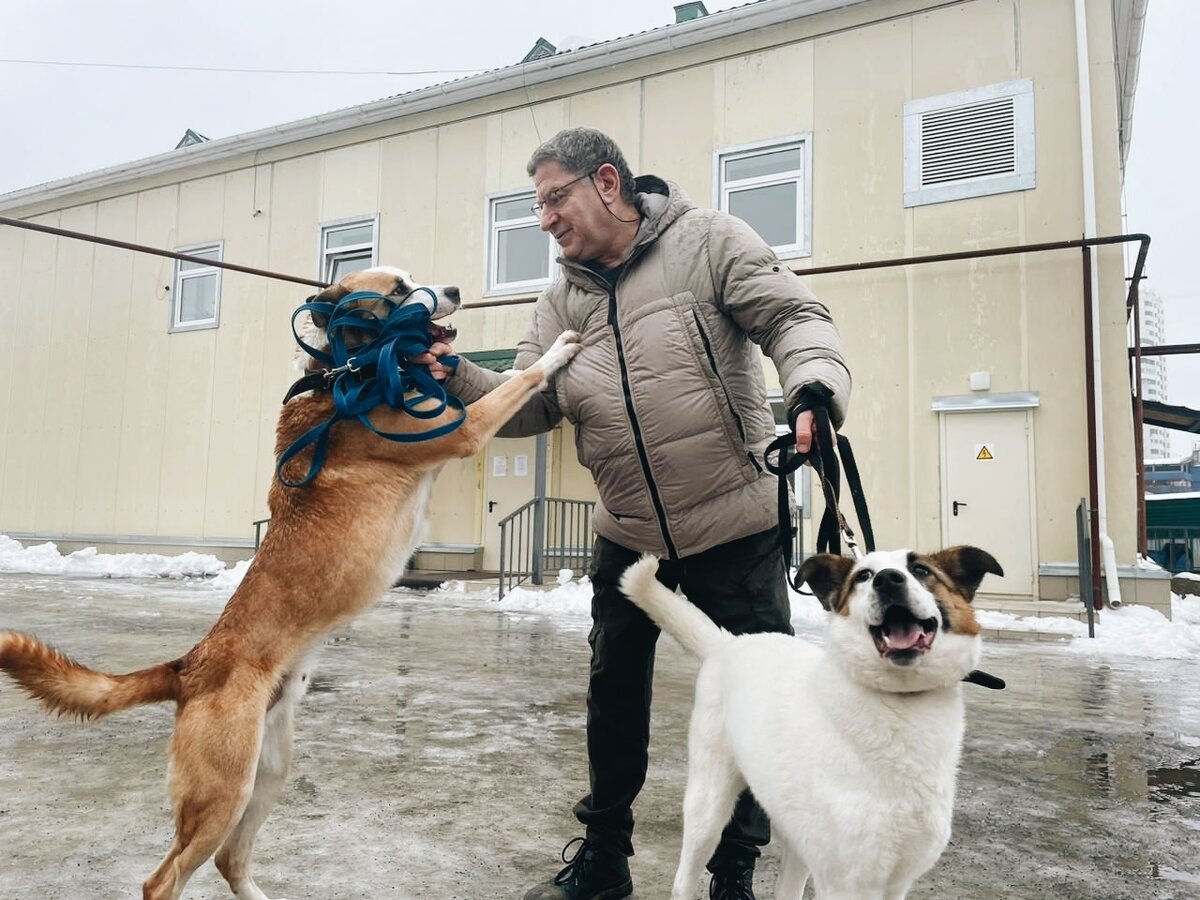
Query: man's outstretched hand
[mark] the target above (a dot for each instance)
(437, 350)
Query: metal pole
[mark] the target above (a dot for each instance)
(1090, 395)
(154, 251)
(1139, 423)
(503, 536)
(1084, 556)
(539, 508)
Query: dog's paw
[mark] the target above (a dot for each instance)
(569, 340)
(562, 351)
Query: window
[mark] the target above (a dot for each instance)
(196, 290)
(347, 246)
(766, 185)
(520, 255)
(969, 144)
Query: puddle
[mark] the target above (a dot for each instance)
(1165, 784)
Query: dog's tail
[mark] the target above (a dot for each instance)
(65, 687)
(695, 631)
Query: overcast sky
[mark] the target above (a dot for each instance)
(60, 121)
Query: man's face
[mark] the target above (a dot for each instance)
(573, 213)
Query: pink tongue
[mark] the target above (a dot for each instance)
(904, 637)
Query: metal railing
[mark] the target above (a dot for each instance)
(546, 534)
(1174, 547)
(552, 534)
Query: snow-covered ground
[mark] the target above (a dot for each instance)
(1130, 631)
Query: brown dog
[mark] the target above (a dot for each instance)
(236, 689)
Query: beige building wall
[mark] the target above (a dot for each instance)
(112, 426)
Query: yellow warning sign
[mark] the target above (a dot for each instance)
(984, 452)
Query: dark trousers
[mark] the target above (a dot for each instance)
(741, 586)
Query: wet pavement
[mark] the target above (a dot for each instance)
(441, 749)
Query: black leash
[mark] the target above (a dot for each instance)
(833, 528)
(824, 459)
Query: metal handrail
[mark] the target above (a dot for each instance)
(515, 529)
(547, 533)
(258, 530)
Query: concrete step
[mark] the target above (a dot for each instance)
(1071, 609)
(1050, 610)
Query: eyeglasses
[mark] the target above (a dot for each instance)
(555, 198)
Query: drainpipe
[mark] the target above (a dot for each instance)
(1087, 153)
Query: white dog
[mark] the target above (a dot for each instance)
(853, 749)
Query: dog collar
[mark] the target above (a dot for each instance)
(322, 379)
(983, 679)
(313, 381)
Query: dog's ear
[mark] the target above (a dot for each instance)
(331, 294)
(966, 567)
(825, 574)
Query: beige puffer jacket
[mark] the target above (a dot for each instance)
(667, 395)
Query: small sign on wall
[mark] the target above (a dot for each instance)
(499, 466)
(985, 452)
(521, 465)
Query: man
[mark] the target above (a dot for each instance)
(671, 417)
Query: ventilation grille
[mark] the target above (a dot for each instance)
(967, 142)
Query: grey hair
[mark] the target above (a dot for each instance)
(583, 151)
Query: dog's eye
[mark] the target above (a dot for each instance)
(863, 575)
(920, 571)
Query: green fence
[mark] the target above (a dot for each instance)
(1173, 531)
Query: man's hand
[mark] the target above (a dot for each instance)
(437, 350)
(806, 430)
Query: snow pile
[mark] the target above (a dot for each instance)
(228, 579)
(571, 599)
(44, 559)
(1131, 630)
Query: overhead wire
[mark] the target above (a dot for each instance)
(230, 69)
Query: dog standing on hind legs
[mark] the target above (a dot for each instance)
(334, 546)
(852, 749)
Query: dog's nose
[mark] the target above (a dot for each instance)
(453, 295)
(888, 581)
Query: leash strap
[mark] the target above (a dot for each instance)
(823, 457)
(377, 372)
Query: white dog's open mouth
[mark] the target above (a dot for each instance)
(902, 635)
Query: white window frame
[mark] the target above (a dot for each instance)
(325, 256)
(181, 276)
(802, 177)
(1025, 177)
(493, 287)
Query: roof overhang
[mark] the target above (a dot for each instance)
(1177, 418)
(1129, 18)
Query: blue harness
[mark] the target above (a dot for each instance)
(377, 372)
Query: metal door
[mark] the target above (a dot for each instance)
(987, 492)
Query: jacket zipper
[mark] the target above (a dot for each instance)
(712, 361)
(643, 457)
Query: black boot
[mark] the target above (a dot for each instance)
(593, 873)
(733, 880)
